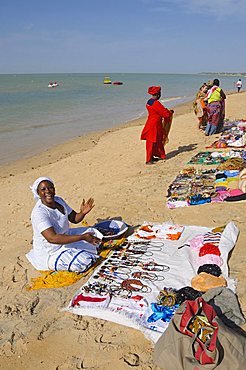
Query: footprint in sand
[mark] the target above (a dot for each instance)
(71, 364)
(32, 304)
(44, 332)
(12, 342)
(109, 338)
(131, 359)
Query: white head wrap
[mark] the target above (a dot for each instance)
(34, 187)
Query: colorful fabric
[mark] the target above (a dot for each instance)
(230, 159)
(59, 279)
(212, 237)
(196, 186)
(163, 231)
(133, 276)
(214, 113)
(232, 136)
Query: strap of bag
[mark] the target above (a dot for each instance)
(201, 352)
(204, 353)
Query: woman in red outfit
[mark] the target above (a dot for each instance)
(153, 131)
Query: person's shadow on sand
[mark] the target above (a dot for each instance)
(181, 149)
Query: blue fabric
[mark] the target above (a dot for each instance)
(198, 199)
(232, 173)
(151, 101)
(162, 312)
(222, 179)
(210, 129)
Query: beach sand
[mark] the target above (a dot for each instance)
(109, 166)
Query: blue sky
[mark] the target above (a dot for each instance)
(156, 36)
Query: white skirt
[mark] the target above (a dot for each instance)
(77, 256)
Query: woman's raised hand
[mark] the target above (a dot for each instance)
(86, 206)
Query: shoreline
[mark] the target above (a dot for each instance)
(77, 144)
(82, 142)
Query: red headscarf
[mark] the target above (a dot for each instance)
(154, 90)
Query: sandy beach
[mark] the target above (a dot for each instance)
(110, 167)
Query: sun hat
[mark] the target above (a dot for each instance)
(209, 248)
(211, 269)
(154, 90)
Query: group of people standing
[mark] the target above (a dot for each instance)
(209, 107)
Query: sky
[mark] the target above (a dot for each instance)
(106, 36)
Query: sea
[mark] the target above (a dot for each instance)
(35, 117)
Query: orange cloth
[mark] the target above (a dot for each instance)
(166, 129)
(204, 281)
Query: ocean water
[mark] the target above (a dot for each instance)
(34, 117)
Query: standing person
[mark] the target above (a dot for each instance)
(55, 245)
(200, 107)
(239, 85)
(215, 108)
(153, 131)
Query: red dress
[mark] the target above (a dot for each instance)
(153, 131)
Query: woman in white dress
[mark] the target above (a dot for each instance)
(55, 245)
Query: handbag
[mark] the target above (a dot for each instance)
(196, 339)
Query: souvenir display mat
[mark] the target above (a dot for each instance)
(211, 158)
(232, 136)
(125, 288)
(197, 186)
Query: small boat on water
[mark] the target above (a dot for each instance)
(107, 81)
(53, 84)
(117, 83)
